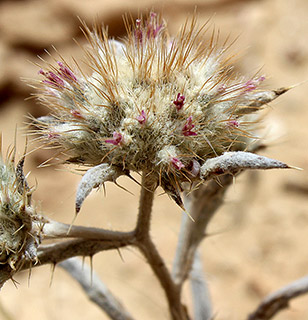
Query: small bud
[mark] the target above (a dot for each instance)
(188, 127)
(233, 123)
(66, 73)
(222, 88)
(52, 135)
(117, 139)
(177, 163)
(153, 28)
(77, 114)
(251, 85)
(52, 79)
(138, 31)
(179, 101)
(142, 118)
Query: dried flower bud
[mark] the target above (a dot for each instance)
(17, 239)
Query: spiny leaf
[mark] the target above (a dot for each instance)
(94, 178)
(232, 162)
(259, 99)
(23, 187)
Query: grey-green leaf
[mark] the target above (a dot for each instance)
(232, 162)
(94, 178)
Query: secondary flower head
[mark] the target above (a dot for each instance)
(17, 239)
(153, 103)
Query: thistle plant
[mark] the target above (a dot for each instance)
(171, 109)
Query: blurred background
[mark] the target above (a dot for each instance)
(257, 242)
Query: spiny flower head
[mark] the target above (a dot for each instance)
(153, 103)
(17, 239)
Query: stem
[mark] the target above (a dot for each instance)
(149, 185)
(54, 229)
(200, 291)
(57, 252)
(95, 289)
(158, 266)
(202, 205)
(148, 249)
(279, 300)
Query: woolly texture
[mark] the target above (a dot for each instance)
(153, 103)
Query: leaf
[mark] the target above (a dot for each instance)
(23, 187)
(94, 178)
(232, 162)
(259, 99)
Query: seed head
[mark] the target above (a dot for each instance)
(153, 103)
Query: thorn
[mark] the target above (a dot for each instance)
(30, 272)
(123, 188)
(71, 225)
(120, 254)
(15, 282)
(296, 168)
(189, 215)
(53, 267)
(91, 270)
(132, 178)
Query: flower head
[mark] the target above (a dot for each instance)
(184, 86)
(17, 238)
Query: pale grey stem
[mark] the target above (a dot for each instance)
(95, 289)
(279, 300)
(201, 205)
(148, 186)
(57, 252)
(53, 229)
(200, 292)
(148, 249)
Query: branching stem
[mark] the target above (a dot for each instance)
(95, 289)
(148, 249)
(57, 252)
(149, 185)
(53, 229)
(279, 300)
(202, 205)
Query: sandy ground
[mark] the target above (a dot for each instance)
(259, 238)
